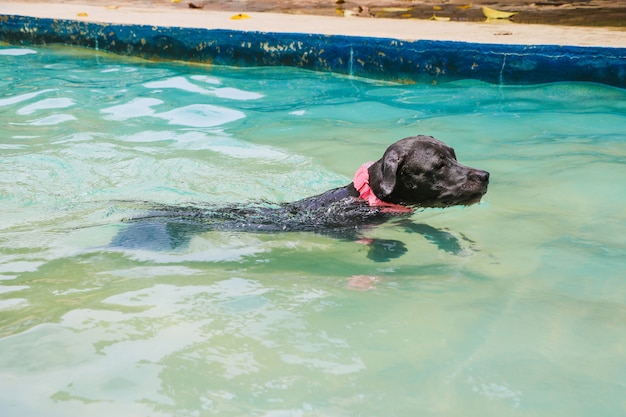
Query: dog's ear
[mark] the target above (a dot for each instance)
(387, 170)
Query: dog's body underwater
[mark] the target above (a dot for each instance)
(418, 171)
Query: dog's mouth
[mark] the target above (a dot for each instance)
(473, 199)
(476, 195)
(470, 193)
(476, 189)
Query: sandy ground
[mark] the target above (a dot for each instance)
(604, 13)
(401, 19)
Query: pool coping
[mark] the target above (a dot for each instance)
(395, 50)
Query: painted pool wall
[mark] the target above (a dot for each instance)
(380, 58)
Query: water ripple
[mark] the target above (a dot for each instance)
(181, 83)
(16, 51)
(201, 115)
(138, 107)
(50, 103)
(22, 97)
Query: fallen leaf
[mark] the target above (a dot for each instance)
(496, 14)
(440, 19)
(394, 9)
(240, 16)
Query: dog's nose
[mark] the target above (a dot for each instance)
(482, 176)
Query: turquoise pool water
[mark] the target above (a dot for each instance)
(514, 307)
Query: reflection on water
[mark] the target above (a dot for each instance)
(208, 322)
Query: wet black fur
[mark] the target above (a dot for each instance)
(418, 171)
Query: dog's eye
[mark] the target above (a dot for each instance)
(440, 164)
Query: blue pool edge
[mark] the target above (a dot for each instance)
(371, 57)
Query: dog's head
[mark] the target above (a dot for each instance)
(423, 171)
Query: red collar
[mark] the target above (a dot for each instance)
(362, 185)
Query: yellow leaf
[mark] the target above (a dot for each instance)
(240, 16)
(394, 9)
(496, 14)
(82, 14)
(440, 19)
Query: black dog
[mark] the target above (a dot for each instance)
(418, 171)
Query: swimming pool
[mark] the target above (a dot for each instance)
(515, 306)
(418, 58)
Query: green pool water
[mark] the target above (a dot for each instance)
(513, 307)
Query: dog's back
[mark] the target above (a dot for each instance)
(418, 171)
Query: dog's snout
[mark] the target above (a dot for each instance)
(479, 175)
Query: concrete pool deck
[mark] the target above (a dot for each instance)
(402, 50)
(498, 32)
